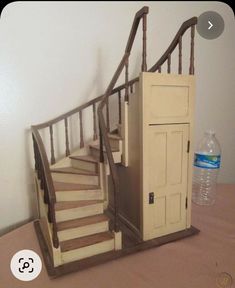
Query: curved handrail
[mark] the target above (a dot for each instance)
(183, 28)
(46, 181)
(103, 130)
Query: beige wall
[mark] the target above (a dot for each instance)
(57, 55)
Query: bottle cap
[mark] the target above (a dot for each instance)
(210, 132)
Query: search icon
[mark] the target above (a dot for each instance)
(25, 265)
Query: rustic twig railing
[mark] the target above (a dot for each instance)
(41, 159)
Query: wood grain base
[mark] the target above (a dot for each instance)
(130, 245)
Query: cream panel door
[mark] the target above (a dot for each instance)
(167, 179)
(168, 98)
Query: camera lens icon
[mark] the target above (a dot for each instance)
(26, 265)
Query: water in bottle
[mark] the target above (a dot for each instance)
(206, 169)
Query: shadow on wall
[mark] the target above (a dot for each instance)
(27, 187)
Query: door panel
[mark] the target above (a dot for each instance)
(167, 178)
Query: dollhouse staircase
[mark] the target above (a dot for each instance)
(78, 192)
(83, 227)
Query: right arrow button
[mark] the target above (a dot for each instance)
(210, 25)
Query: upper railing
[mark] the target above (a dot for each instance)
(42, 165)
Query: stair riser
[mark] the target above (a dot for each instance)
(85, 165)
(119, 127)
(88, 251)
(79, 195)
(83, 231)
(74, 178)
(115, 143)
(80, 212)
(96, 153)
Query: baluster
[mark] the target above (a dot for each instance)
(191, 67)
(131, 88)
(169, 63)
(49, 212)
(94, 123)
(35, 154)
(101, 146)
(126, 80)
(144, 55)
(119, 107)
(107, 114)
(39, 167)
(52, 145)
(160, 69)
(180, 55)
(67, 152)
(81, 130)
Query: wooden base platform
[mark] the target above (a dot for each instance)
(130, 245)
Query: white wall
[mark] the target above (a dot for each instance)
(55, 56)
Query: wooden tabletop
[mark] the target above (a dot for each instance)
(204, 260)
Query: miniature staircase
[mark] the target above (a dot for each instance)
(73, 192)
(83, 227)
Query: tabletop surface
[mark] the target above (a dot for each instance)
(201, 261)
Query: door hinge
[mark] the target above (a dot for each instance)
(186, 203)
(188, 146)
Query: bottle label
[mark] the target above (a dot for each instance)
(207, 161)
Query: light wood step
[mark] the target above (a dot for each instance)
(63, 186)
(114, 136)
(85, 247)
(86, 162)
(95, 152)
(82, 227)
(69, 210)
(73, 175)
(76, 192)
(115, 141)
(72, 170)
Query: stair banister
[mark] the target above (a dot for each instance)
(104, 140)
(46, 178)
(177, 40)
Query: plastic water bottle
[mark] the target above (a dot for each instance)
(206, 168)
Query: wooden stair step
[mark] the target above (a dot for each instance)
(63, 186)
(71, 170)
(97, 147)
(75, 223)
(114, 136)
(86, 158)
(64, 205)
(77, 243)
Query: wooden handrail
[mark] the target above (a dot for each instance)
(184, 27)
(46, 181)
(104, 140)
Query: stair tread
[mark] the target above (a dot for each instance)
(77, 243)
(71, 170)
(63, 205)
(97, 147)
(87, 158)
(75, 223)
(115, 136)
(63, 186)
